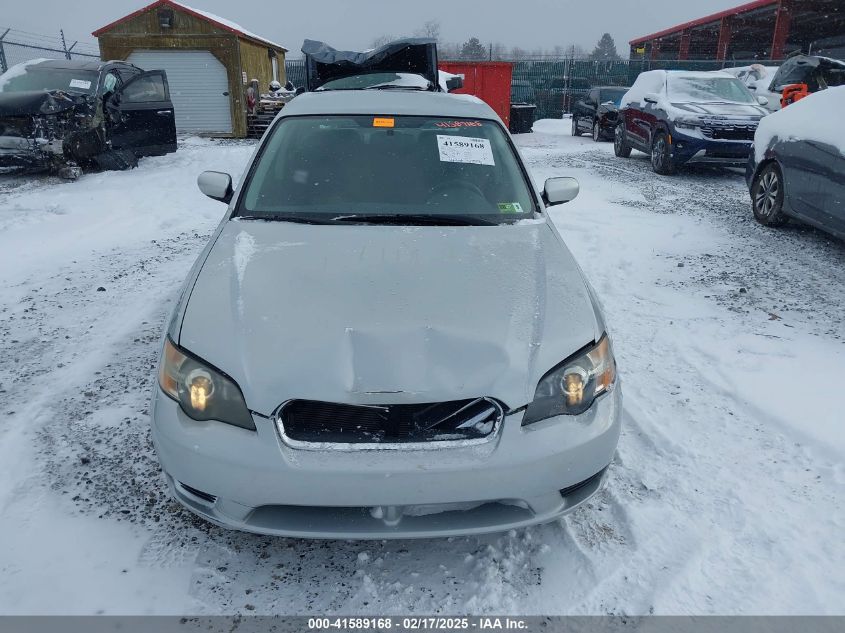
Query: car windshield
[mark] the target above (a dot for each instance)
(708, 90)
(408, 81)
(330, 167)
(613, 95)
(23, 78)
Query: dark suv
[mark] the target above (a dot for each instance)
(598, 112)
(63, 114)
(681, 117)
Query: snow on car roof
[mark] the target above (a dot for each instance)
(698, 74)
(814, 118)
(389, 102)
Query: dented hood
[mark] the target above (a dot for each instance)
(387, 314)
(33, 102)
(416, 56)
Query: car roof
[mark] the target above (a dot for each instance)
(398, 102)
(698, 74)
(78, 64)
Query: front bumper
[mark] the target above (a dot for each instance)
(24, 152)
(253, 481)
(688, 149)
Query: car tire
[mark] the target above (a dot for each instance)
(661, 155)
(620, 143)
(767, 194)
(575, 130)
(596, 131)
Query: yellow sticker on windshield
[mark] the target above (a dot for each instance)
(383, 122)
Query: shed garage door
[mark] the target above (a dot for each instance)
(199, 87)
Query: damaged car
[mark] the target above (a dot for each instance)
(802, 75)
(64, 115)
(386, 336)
(598, 112)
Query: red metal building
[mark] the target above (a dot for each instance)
(763, 29)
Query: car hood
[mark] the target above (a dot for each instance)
(386, 314)
(722, 109)
(32, 102)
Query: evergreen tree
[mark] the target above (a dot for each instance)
(473, 49)
(605, 49)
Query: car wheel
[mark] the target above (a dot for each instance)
(767, 194)
(620, 143)
(661, 155)
(575, 130)
(596, 131)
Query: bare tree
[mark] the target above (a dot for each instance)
(382, 40)
(518, 53)
(430, 29)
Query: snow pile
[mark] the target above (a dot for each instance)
(443, 77)
(814, 118)
(558, 127)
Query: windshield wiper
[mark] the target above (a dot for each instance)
(395, 87)
(287, 218)
(412, 219)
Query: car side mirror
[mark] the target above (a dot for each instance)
(651, 98)
(454, 83)
(560, 190)
(763, 100)
(216, 185)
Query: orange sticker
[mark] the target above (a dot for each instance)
(383, 122)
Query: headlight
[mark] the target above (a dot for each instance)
(571, 387)
(689, 123)
(202, 392)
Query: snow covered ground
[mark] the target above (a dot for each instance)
(726, 495)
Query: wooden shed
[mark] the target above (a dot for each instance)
(209, 62)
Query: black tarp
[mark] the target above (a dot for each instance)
(412, 55)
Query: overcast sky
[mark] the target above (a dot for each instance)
(529, 24)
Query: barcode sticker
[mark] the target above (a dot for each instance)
(464, 149)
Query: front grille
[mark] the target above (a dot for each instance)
(16, 126)
(730, 133)
(328, 422)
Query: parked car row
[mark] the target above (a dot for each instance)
(794, 158)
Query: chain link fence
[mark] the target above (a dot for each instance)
(555, 84)
(21, 46)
